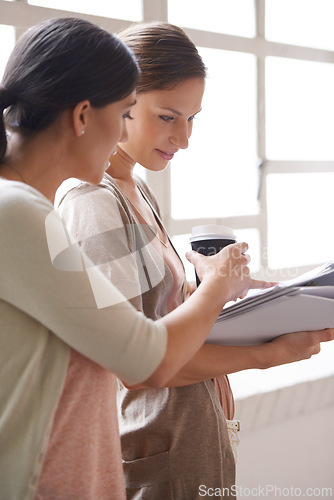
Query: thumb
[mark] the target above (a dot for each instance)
(192, 256)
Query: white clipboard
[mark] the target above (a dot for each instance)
(301, 309)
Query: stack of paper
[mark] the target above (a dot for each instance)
(303, 304)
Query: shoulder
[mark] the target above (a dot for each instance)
(19, 201)
(73, 189)
(91, 209)
(27, 220)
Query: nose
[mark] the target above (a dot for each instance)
(180, 136)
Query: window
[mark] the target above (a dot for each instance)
(300, 206)
(221, 16)
(222, 179)
(299, 109)
(301, 22)
(126, 9)
(7, 41)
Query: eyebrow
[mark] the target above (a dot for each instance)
(175, 112)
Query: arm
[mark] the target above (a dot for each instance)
(212, 360)
(46, 277)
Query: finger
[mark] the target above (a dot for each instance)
(192, 256)
(261, 284)
(326, 335)
(269, 284)
(241, 247)
(246, 258)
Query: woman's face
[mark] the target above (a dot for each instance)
(106, 127)
(162, 123)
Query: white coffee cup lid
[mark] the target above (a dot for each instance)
(212, 231)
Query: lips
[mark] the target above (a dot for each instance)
(166, 155)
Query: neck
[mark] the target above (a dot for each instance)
(121, 167)
(31, 164)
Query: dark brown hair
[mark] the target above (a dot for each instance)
(57, 64)
(165, 54)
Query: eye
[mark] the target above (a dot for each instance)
(191, 118)
(127, 115)
(166, 118)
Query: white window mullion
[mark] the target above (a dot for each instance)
(19, 30)
(261, 129)
(261, 133)
(287, 167)
(160, 184)
(258, 46)
(183, 226)
(293, 52)
(156, 10)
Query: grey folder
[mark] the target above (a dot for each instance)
(302, 304)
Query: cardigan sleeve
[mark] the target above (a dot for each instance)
(47, 276)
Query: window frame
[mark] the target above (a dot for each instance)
(261, 48)
(21, 15)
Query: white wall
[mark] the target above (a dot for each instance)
(287, 442)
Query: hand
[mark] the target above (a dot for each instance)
(228, 269)
(265, 284)
(296, 346)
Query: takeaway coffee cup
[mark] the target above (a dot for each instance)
(210, 239)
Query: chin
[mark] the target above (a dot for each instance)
(159, 166)
(154, 166)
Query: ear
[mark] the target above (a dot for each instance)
(81, 117)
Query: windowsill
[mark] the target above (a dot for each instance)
(251, 382)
